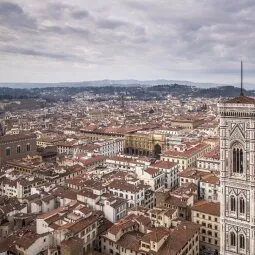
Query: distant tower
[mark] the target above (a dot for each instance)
(237, 174)
(2, 128)
(122, 102)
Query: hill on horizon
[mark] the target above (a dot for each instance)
(130, 82)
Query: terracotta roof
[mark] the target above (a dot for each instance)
(214, 154)
(241, 100)
(155, 235)
(143, 220)
(179, 238)
(207, 207)
(9, 138)
(176, 201)
(125, 223)
(27, 239)
(123, 185)
(193, 173)
(164, 164)
(130, 241)
(82, 224)
(212, 179)
(73, 241)
(188, 152)
(151, 171)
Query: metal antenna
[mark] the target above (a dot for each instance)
(241, 92)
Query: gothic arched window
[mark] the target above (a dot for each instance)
(232, 239)
(18, 149)
(8, 151)
(242, 205)
(234, 160)
(28, 147)
(232, 204)
(237, 157)
(241, 242)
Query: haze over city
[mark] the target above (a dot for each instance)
(61, 41)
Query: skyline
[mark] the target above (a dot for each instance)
(54, 41)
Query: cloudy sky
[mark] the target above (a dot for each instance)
(63, 40)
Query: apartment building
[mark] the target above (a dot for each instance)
(192, 175)
(133, 235)
(207, 214)
(114, 208)
(105, 147)
(153, 177)
(125, 162)
(185, 154)
(71, 220)
(163, 217)
(210, 188)
(207, 182)
(17, 186)
(181, 199)
(210, 160)
(171, 171)
(134, 191)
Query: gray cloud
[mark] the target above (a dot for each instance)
(39, 53)
(66, 30)
(13, 16)
(80, 14)
(146, 39)
(111, 23)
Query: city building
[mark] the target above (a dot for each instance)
(133, 235)
(207, 214)
(17, 146)
(186, 122)
(181, 199)
(144, 143)
(185, 154)
(134, 191)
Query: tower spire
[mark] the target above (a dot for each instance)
(241, 92)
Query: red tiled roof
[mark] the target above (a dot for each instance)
(241, 100)
(207, 207)
(151, 171)
(164, 164)
(190, 151)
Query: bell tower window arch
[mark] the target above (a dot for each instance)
(237, 158)
(242, 205)
(232, 239)
(232, 204)
(241, 241)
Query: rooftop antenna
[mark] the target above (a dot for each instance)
(241, 92)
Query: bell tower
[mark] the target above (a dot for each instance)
(237, 177)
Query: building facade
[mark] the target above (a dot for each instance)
(17, 146)
(144, 144)
(237, 144)
(207, 214)
(186, 154)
